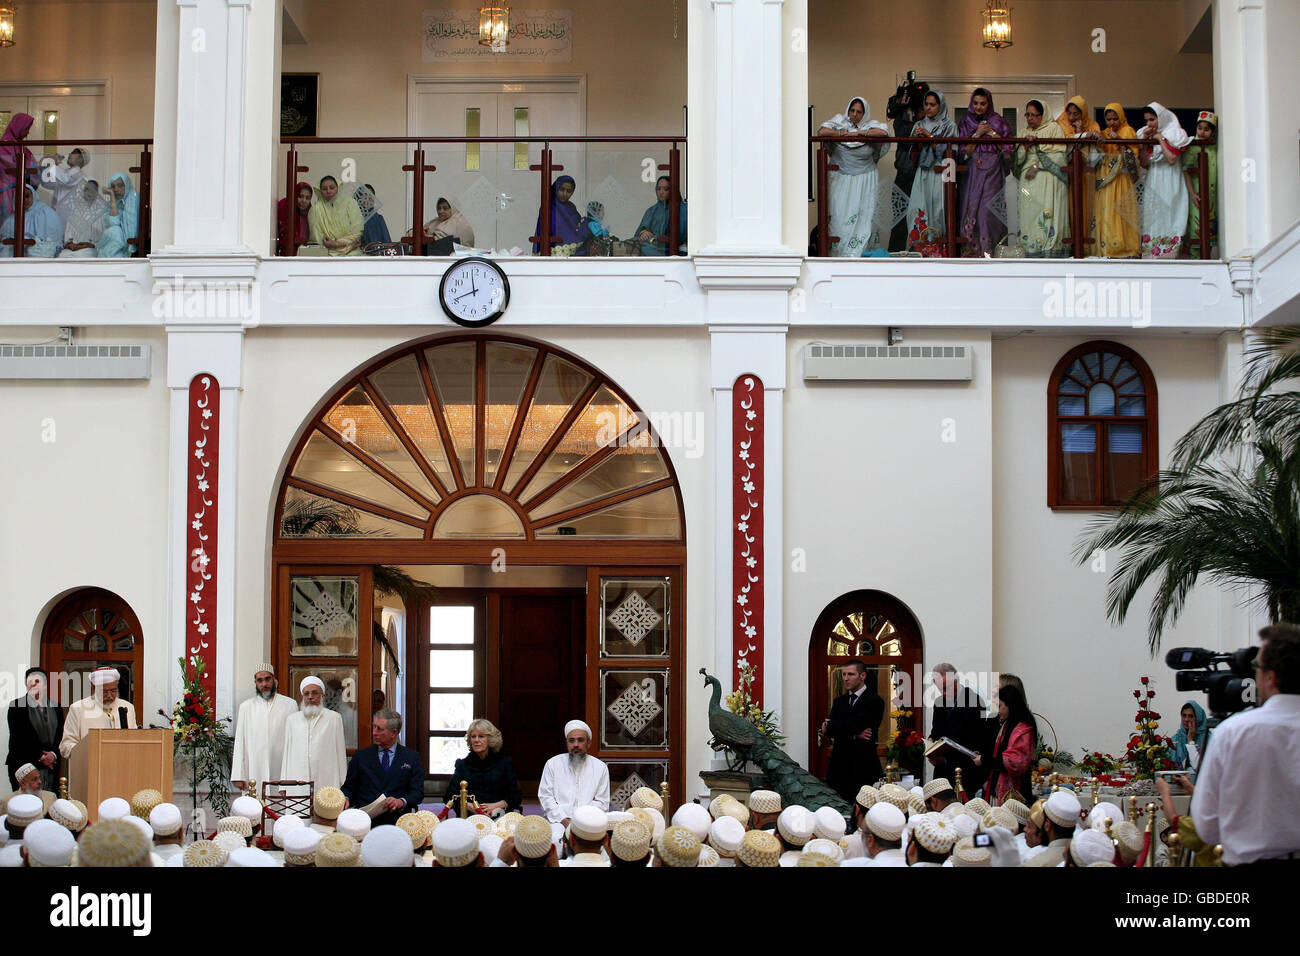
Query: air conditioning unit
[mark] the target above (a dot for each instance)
(74, 361)
(885, 363)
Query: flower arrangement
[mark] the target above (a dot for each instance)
(1097, 763)
(1147, 750)
(906, 749)
(741, 703)
(202, 738)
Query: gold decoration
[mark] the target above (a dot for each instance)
(997, 24)
(7, 24)
(494, 25)
(468, 802)
(63, 788)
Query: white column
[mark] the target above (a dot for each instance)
(747, 80)
(192, 350)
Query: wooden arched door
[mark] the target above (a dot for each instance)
(877, 629)
(93, 628)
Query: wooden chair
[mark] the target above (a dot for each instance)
(279, 804)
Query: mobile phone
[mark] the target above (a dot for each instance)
(983, 839)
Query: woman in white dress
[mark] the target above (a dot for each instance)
(855, 186)
(1164, 196)
(83, 222)
(1044, 199)
(927, 187)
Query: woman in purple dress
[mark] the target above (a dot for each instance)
(983, 201)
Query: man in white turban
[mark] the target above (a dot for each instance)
(259, 731)
(313, 740)
(573, 779)
(103, 709)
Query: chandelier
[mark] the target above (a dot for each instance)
(997, 24)
(494, 25)
(6, 25)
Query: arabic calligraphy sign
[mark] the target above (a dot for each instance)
(542, 36)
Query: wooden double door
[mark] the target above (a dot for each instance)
(516, 657)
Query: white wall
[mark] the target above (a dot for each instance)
(877, 499)
(1282, 22)
(1050, 625)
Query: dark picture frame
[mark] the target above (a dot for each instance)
(299, 104)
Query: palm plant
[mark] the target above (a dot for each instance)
(1228, 507)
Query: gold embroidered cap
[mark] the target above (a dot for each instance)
(328, 803)
(645, 797)
(206, 853)
(759, 848)
(533, 837)
(630, 841)
(113, 843)
(935, 787)
(764, 801)
(338, 849)
(679, 847)
(144, 801)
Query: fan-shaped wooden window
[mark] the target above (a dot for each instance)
(94, 628)
(1101, 426)
(480, 437)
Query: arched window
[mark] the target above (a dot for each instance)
(93, 628)
(1101, 426)
(879, 630)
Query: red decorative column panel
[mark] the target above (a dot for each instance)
(747, 528)
(201, 536)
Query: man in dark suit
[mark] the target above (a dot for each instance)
(385, 767)
(853, 727)
(35, 729)
(959, 716)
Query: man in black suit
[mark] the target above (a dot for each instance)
(853, 727)
(959, 716)
(35, 729)
(385, 767)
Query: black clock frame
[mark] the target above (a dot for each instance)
(487, 320)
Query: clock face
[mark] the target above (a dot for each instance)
(474, 292)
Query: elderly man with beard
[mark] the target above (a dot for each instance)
(259, 731)
(573, 779)
(313, 740)
(102, 710)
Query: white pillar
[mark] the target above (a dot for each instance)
(193, 350)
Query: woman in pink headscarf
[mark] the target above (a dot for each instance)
(983, 220)
(10, 150)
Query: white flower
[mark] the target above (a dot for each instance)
(203, 628)
(751, 631)
(742, 600)
(744, 454)
(203, 485)
(751, 561)
(751, 415)
(196, 524)
(742, 526)
(749, 487)
(195, 597)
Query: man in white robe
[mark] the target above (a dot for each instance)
(259, 731)
(573, 779)
(103, 709)
(313, 740)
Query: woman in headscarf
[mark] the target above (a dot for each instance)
(122, 222)
(302, 197)
(1076, 122)
(1207, 126)
(10, 149)
(1164, 198)
(449, 222)
(855, 186)
(927, 187)
(335, 221)
(566, 221)
(375, 227)
(1044, 199)
(1192, 738)
(982, 188)
(40, 223)
(655, 221)
(1115, 207)
(83, 222)
(64, 177)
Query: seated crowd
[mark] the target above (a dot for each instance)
(79, 219)
(1137, 202)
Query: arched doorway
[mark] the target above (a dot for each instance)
(91, 628)
(879, 630)
(532, 493)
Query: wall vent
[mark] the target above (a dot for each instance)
(74, 361)
(882, 363)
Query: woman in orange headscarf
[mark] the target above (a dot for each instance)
(1076, 122)
(1115, 220)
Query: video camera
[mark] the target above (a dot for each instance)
(1227, 679)
(909, 94)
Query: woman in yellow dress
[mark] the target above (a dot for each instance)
(1115, 219)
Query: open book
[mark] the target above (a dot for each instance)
(377, 808)
(939, 746)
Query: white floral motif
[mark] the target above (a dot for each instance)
(325, 616)
(636, 707)
(634, 618)
(631, 785)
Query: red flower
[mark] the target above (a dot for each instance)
(198, 710)
(1137, 693)
(1146, 680)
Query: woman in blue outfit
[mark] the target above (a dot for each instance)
(1192, 738)
(655, 222)
(122, 223)
(566, 221)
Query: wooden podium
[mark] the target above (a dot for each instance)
(119, 763)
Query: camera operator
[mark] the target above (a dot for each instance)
(905, 109)
(1247, 795)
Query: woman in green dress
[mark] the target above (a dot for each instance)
(1043, 193)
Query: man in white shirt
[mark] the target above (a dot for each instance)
(573, 779)
(259, 731)
(882, 834)
(103, 709)
(313, 740)
(1247, 794)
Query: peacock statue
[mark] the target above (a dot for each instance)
(780, 772)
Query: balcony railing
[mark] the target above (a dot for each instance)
(486, 173)
(102, 152)
(947, 240)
